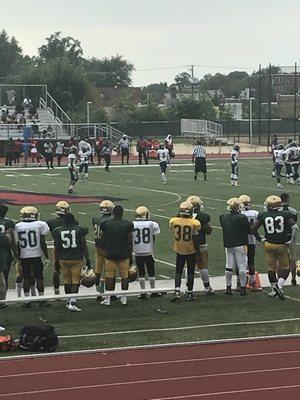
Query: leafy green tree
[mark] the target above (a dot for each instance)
(61, 47)
(125, 108)
(198, 109)
(184, 79)
(109, 72)
(10, 54)
(153, 92)
(149, 112)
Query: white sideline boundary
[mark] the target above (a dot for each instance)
(104, 350)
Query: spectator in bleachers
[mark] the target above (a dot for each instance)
(59, 150)
(8, 151)
(27, 103)
(25, 151)
(11, 95)
(4, 110)
(18, 148)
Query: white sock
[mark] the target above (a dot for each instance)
(142, 283)
(204, 275)
(19, 289)
(152, 282)
(281, 282)
(243, 278)
(228, 276)
(73, 300)
(33, 290)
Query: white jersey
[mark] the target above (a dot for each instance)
(252, 216)
(84, 157)
(142, 237)
(28, 237)
(72, 160)
(163, 155)
(84, 145)
(234, 156)
(279, 156)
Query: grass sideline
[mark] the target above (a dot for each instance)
(142, 185)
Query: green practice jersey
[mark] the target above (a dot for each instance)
(5, 224)
(277, 229)
(235, 228)
(115, 235)
(4, 251)
(96, 222)
(68, 241)
(56, 222)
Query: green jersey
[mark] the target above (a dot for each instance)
(277, 229)
(5, 224)
(4, 251)
(96, 222)
(204, 219)
(68, 241)
(235, 228)
(115, 236)
(56, 222)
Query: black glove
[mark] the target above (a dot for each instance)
(88, 264)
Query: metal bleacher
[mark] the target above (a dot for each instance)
(210, 132)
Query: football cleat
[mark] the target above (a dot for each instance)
(154, 295)
(29, 213)
(234, 205)
(189, 296)
(186, 209)
(106, 301)
(73, 308)
(106, 207)
(176, 297)
(246, 200)
(272, 202)
(143, 296)
(132, 273)
(228, 291)
(243, 291)
(62, 208)
(294, 282)
(142, 213)
(279, 292)
(196, 202)
(273, 294)
(209, 291)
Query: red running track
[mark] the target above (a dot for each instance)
(260, 370)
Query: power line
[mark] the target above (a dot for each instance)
(198, 66)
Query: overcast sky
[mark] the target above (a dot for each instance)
(164, 33)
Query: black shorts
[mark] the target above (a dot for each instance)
(251, 254)
(48, 157)
(189, 259)
(141, 261)
(83, 167)
(32, 267)
(200, 164)
(124, 152)
(234, 169)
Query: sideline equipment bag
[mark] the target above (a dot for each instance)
(7, 343)
(38, 338)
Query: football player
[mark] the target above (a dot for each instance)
(236, 228)
(292, 160)
(143, 238)
(5, 225)
(285, 199)
(234, 155)
(206, 229)
(5, 245)
(117, 236)
(277, 225)
(163, 157)
(106, 208)
(70, 250)
(72, 168)
(279, 155)
(30, 236)
(252, 216)
(84, 156)
(186, 245)
(61, 209)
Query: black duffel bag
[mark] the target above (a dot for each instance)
(38, 338)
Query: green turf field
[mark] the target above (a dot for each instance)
(142, 186)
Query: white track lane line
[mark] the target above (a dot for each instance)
(147, 381)
(144, 364)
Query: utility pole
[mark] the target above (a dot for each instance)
(259, 105)
(192, 74)
(295, 102)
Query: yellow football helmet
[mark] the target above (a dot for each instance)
(246, 200)
(29, 213)
(235, 205)
(132, 273)
(186, 209)
(298, 267)
(196, 201)
(106, 207)
(273, 202)
(62, 208)
(88, 277)
(142, 213)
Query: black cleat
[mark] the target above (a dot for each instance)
(228, 291)
(279, 292)
(143, 296)
(243, 291)
(294, 282)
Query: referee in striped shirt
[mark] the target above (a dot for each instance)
(199, 159)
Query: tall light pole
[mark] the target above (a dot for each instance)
(88, 103)
(250, 120)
